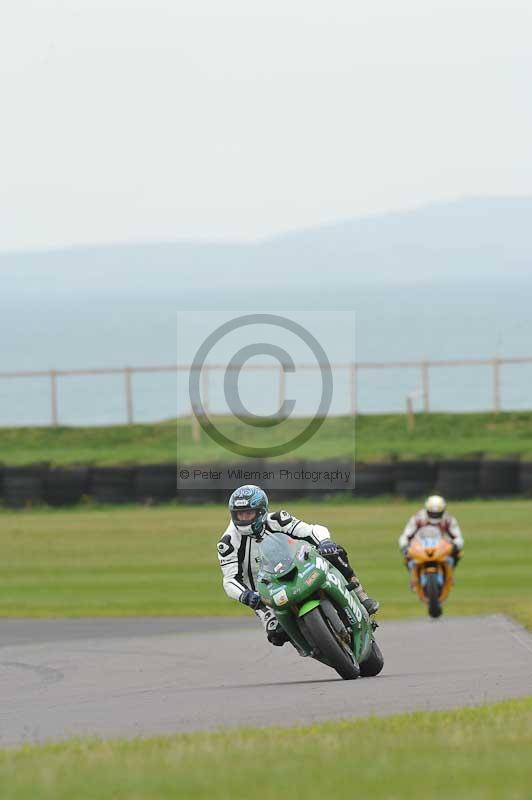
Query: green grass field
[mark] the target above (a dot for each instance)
(468, 754)
(162, 561)
(128, 561)
(377, 438)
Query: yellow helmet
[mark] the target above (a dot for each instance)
(435, 506)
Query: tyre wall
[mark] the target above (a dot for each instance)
(458, 480)
(372, 480)
(23, 487)
(415, 478)
(499, 478)
(114, 485)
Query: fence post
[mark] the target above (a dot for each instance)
(196, 430)
(282, 389)
(426, 388)
(53, 397)
(205, 388)
(410, 419)
(353, 378)
(496, 385)
(129, 395)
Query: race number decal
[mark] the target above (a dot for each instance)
(282, 517)
(280, 598)
(224, 546)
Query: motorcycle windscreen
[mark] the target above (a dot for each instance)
(429, 536)
(277, 554)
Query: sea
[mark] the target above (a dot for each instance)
(59, 330)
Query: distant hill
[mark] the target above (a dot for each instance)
(466, 241)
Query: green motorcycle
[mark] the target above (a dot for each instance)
(321, 616)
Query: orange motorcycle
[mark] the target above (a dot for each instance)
(431, 567)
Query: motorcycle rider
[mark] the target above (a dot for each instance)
(238, 553)
(435, 513)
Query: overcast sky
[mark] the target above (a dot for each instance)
(163, 119)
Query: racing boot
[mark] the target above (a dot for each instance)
(371, 606)
(275, 634)
(341, 562)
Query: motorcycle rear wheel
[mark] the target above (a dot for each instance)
(324, 640)
(432, 590)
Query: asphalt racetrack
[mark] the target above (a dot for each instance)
(135, 677)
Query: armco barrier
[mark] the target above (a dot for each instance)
(415, 478)
(499, 478)
(456, 479)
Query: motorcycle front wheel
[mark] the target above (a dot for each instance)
(322, 637)
(373, 663)
(432, 590)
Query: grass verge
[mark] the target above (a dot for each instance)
(475, 753)
(162, 561)
(378, 437)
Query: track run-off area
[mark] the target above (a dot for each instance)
(132, 677)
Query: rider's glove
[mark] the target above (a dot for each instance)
(456, 552)
(328, 548)
(251, 599)
(404, 551)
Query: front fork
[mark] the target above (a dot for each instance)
(418, 579)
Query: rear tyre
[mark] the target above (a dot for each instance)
(324, 640)
(432, 590)
(373, 663)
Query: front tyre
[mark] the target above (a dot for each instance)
(432, 590)
(329, 647)
(374, 663)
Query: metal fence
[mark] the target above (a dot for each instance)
(353, 370)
